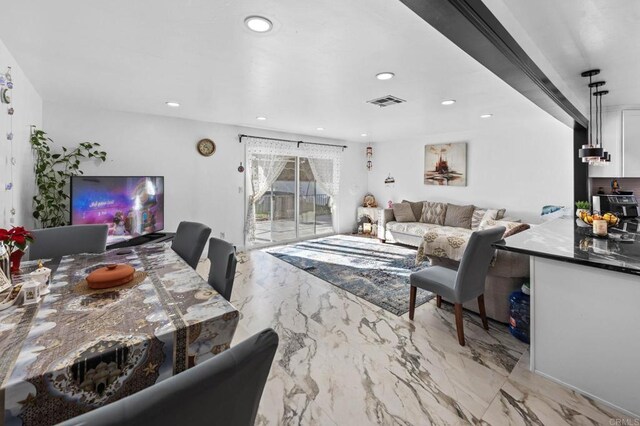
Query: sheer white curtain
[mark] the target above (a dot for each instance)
(266, 160)
(325, 165)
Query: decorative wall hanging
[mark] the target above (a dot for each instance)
(369, 156)
(6, 88)
(241, 168)
(206, 147)
(445, 164)
(389, 181)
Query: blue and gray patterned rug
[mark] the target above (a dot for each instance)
(376, 272)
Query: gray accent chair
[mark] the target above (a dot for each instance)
(224, 390)
(50, 243)
(190, 240)
(222, 272)
(466, 283)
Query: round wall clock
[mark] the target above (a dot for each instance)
(206, 147)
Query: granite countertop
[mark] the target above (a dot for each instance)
(562, 239)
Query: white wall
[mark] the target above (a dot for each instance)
(518, 166)
(27, 104)
(204, 189)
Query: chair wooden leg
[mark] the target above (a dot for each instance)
(459, 326)
(438, 301)
(412, 301)
(483, 312)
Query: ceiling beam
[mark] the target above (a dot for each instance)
(472, 27)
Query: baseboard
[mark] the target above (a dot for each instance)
(596, 398)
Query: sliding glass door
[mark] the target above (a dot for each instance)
(294, 206)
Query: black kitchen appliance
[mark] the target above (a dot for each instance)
(623, 206)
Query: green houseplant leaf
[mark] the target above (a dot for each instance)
(53, 172)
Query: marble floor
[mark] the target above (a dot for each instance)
(344, 361)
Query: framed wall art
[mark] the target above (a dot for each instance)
(445, 164)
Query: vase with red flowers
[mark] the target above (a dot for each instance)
(16, 241)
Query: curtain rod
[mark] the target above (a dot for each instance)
(240, 136)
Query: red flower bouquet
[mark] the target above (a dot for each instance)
(16, 238)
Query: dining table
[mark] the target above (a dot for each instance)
(78, 349)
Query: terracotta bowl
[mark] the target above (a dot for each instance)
(110, 276)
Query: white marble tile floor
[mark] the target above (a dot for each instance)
(344, 361)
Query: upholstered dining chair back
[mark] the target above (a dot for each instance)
(475, 263)
(49, 243)
(190, 240)
(222, 272)
(224, 390)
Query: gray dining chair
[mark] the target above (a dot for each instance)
(466, 283)
(222, 271)
(224, 390)
(190, 240)
(49, 243)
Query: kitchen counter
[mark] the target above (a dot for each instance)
(584, 309)
(562, 239)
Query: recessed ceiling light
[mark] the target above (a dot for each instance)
(258, 24)
(448, 102)
(320, 128)
(172, 104)
(261, 118)
(363, 135)
(486, 116)
(385, 76)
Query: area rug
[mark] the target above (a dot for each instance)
(376, 272)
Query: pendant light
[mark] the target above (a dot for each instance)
(590, 153)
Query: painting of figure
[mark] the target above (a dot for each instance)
(445, 164)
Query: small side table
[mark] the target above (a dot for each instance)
(368, 217)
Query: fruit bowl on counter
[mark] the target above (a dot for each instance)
(586, 219)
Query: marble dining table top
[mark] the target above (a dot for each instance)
(564, 239)
(170, 320)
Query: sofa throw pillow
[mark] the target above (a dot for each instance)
(403, 213)
(458, 216)
(476, 218)
(433, 213)
(416, 207)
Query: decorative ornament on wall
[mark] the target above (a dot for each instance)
(241, 168)
(389, 181)
(445, 164)
(6, 88)
(206, 147)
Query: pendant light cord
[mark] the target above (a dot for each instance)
(597, 122)
(600, 121)
(590, 115)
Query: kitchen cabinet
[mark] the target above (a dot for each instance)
(631, 143)
(621, 138)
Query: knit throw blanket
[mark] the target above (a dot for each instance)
(444, 241)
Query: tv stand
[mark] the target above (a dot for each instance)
(156, 237)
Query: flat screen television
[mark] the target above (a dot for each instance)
(130, 205)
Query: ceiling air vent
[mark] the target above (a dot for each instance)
(386, 101)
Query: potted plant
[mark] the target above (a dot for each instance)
(16, 241)
(582, 206)
(53, 172)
